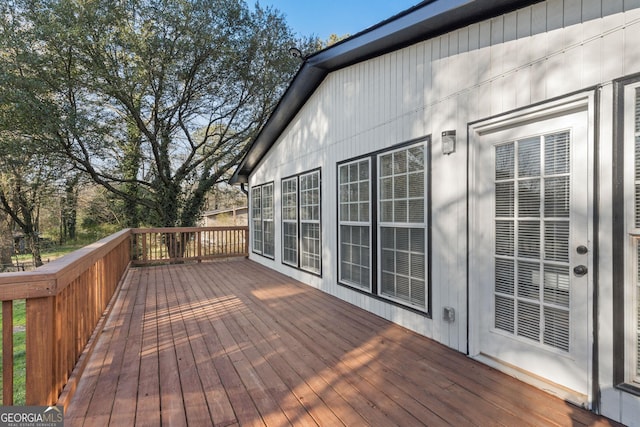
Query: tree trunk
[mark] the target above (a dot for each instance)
(131, 164)
(168, 212)
(6, 241)
(70, 209)
(33, 243)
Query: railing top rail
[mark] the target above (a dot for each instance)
(186, 229)
(53, 277)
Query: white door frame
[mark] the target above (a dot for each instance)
(479, 263)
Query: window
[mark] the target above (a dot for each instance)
(290, 221)
(267, 221)
(354, 223)
(256, 218)
(626, 236)
(635, 309)
(532, 223)
(301, 230)
(262, 219)
(632, 112)
(310, 222)
(402, 225)
(383, 210)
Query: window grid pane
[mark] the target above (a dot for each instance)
(290, 221)
(403, 264)
(268, 244)
(532, 197)
(310, 247)
(401, 185)
(354, 228)
(256, 218)
(636, 306)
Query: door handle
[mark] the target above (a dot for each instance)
(580, 270)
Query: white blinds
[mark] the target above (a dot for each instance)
(267, 220)
(256, 218)
(402, 225)
(637, 225)
(290, 221)
(310, 256)
(354, 230)
(532, 196)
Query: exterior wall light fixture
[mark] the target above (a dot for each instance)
(296, 53)
(448, 141)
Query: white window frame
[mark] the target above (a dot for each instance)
(256, 219)
(268, 240)
(381, 223)
(309, 259)
(632, 228)
(344, 200)
(287, 221)
(259, 205)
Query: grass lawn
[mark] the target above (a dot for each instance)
(19, 352)
(52, 253)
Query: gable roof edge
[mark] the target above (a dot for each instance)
(424, 21)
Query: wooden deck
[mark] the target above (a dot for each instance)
(234, 343)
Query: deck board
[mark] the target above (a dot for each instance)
(234, 343)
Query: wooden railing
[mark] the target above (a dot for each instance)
(160, 245)
(66, 299)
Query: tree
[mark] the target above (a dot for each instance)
(69, 208)
(333, 39)
(6, 241)
(155, 100)
(28, 166)
(25, 178)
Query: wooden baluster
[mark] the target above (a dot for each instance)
(41, 351)
(7, 353)
(199, 244)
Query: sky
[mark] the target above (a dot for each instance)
(322, 18)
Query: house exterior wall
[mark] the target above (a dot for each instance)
(526, 57)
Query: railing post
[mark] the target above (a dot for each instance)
(41, 351)
(198, 238)
(7, 353)
(144, 247)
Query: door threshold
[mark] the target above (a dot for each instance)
(544, 384)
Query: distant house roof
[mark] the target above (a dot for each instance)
(427, 19)
(217, 212)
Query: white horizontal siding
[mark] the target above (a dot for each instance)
(525, 57)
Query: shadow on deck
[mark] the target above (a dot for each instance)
(235, 343)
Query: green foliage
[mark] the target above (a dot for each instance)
(154, 100)
(334, 38)
(29, 166)
(19, 352)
